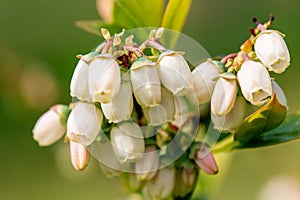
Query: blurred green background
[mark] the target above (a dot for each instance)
(38, 45)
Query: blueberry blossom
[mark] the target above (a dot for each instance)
(104, 78)
(145, 82)
(203, 80)
(255, 82)
(79, 155)
(84, 123)
(51, 126)
(224, 95)
(79, 83)
(127, 142)
(174, 73)
(121, 105)
(272, 51)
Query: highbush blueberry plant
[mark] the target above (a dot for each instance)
(136, 105)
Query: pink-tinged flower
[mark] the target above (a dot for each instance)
(145, 82)
(255, 82)
(146, 167)
(121, 105)
(174, 73)
(51, 126)
(203, 80)
(205, 159)
(79, 155)
(79, 82)
(84, 123)
(127, 142)
(162, 185)
(104, 78)
(272, 51)
(224, 95)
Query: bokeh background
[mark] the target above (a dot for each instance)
(38, 45)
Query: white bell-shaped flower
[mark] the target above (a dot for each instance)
(147, 167)
(272, 51)
(174, 73)
(79, 155)
(203, 80)
(162, 185)
(84, 123)
(49, 128)
(229, 122)
(255, 82)
(224, 95)
(127, 142)
(145, 82)
(121, 105)
(104, 78)
(79, 82)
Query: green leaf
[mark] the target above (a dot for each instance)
(176, 14)
(94, 27)
(266, 118)
(138, 13)
(287, 131)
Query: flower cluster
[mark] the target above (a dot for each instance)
(247, 71)
(136, 107)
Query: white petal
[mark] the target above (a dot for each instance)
(272, 51)
(104, 78)
(203, 83)
(84, 123)
(175, 73)
(79, 83)
(48, 129)
(120, 108)
(145, 83)
(127, 142)
(224, 96)
(255, 82)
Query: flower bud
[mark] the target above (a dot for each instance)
(104, 78)
(272, 51)
(79, 83)
(223, 98)
(145, 83)
(84, 123)
(51, 126)
(232, 120)
(127, 142)
(205, 159)
(79, 155)
(162, 185)
(146, 167)
(255, 82)
(203, 83)
(121, 106)
(174, 73)
(279, 94)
